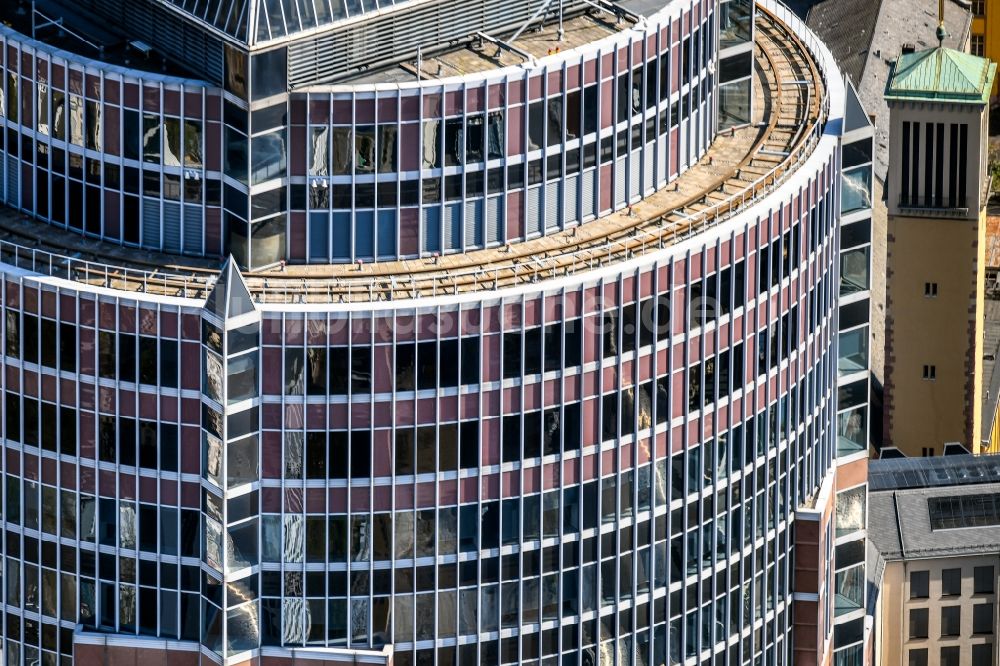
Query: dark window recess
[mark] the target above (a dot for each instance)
(361, 454)
(49, 426)
(67, 431)
(938, 163)
(361, 372)
(610, 333)
(950, 656)
(511, 355)
(855, 234)
(982, 619)
(127, 357)
(953, 166)
(168, 447)
(147, 360)
(511, 438)
(572, 342)
(470, 360)
(147, 445)
(30, 421)
(951, 620)
(340, 370)
(983, 580)
(427, 365)
(403, 453)
(553, 346)
(735, 67)
(406, 360)
(127, 436)
(474, 184)
(469, 444)
(963, 157)
(533, 351)
(532, 435)
(67, 347)
(854, 314)
(316, 372)
(860, 152)
(929, 161)
(448, 363)
(168, 363)
(339, 449)
(48, 343)
(12, 334)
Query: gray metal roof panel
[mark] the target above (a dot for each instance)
(902, 22)
(899, 525)
(846, 27)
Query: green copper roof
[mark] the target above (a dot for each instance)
(941, 74)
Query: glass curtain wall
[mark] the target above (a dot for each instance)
(231, 476)
(854, 366)
(735, 63)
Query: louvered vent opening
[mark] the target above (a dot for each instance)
(397, 35)
(184, 42)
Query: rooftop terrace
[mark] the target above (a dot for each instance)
(487, 52)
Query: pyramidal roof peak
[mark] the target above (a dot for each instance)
(941, 74)
(230, 296)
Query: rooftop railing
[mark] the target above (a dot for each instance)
(100, 274)
(659, 233)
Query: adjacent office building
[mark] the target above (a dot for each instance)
(532, 345)
(935, 525)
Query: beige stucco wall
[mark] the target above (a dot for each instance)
(892, 615)
(947, 247)
(879, 226)
(935, 331)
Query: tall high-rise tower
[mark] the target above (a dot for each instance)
(937, 189)
(526, 351)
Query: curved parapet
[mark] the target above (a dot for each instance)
(591, 449)
(482, 144)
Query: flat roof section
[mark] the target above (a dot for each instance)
(65, 26)
(482, 55)
(740, 168)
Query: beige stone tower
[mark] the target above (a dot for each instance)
(936, 187)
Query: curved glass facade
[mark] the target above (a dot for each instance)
(605, 467)
(336, 174)
(602, 468)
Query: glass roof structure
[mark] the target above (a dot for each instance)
(900, 473)
(255, 21)
(230, 16)
(281, 18)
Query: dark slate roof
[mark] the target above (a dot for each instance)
(883, 532)
(846, 27)
(866, 36)
(899, 524)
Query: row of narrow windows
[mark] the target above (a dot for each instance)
(933, 174)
